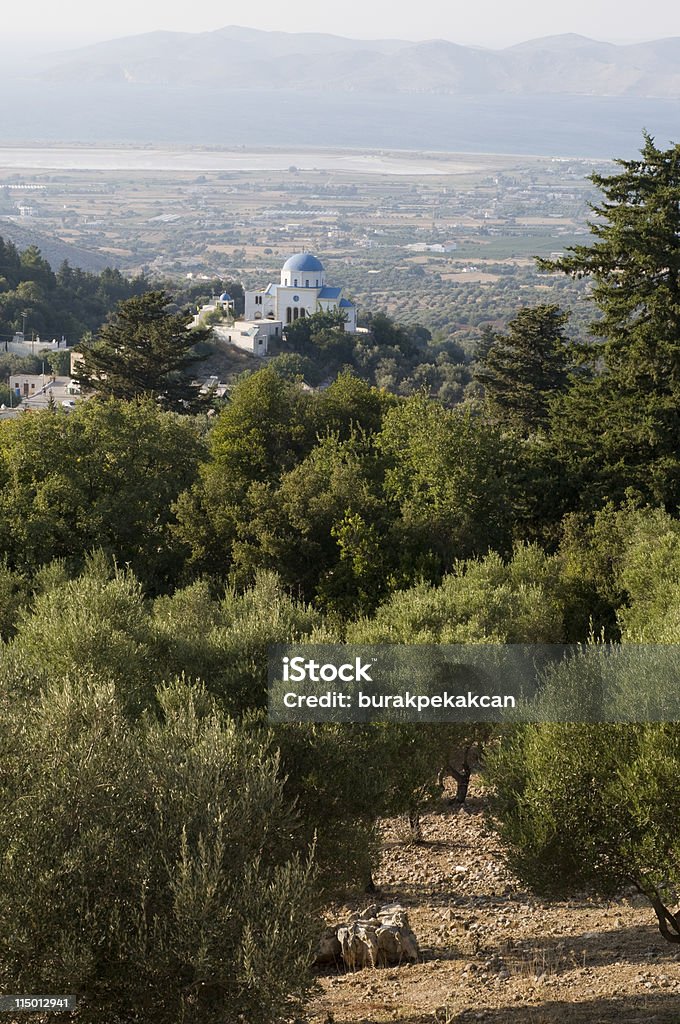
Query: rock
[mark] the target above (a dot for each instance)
(355, 951)
(329, 950)
(369, 912)
(389, 947)
(380, 937)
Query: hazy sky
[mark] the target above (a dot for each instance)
(492, 23)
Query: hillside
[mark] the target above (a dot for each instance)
(55, 250)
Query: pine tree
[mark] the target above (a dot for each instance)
(522, 369)
(634, 265)
(620, 426)
(143, 350)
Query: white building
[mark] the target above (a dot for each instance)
(34, 390)
(251, 336)
(302, 292)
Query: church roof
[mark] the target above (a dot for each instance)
(303, 261)
(346, 304)
(329, 293)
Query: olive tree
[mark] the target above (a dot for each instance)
(148, 864)
(593, 806)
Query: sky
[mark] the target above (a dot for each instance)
(493, 23)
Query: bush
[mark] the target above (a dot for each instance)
(148, 866)
(100, 626)
(482, 600)
(593, 806)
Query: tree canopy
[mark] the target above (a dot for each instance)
(620, 423)
(143, 350)
(104, 475)
(524, 369)
(67, 301)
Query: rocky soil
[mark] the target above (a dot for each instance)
(493, 952)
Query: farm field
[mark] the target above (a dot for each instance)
(403, 232)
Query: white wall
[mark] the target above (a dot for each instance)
(316, 278)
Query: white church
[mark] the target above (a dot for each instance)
(302, 292)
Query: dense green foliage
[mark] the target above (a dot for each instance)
(144, 350)
(105, 475)
(67, 302)
(593, 806)
(347, 494)
(522, 371)
(149, 560)
(151, 858)
(388, 354)
(618, 425)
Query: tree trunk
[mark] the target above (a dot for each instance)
(461, 777)
(462, 780)
(669, 923)
(414, 825)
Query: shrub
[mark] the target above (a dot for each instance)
(148, 866)
(593, 806)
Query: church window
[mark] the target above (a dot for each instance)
(307, 283)
(289, 315)
(303, 312)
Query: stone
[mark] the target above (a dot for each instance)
(328, 950)
(380, 937)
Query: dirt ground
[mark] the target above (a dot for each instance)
(493, 952)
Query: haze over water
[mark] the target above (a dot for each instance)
(110, 159)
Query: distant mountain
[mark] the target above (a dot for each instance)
(253, 60)
(562, 95)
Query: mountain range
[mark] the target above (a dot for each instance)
(560, 96)
(243, 58)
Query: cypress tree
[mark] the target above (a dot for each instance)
(523, 369)
(619, 426)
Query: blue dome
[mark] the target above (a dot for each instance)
(305, 262)
(225, 297)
